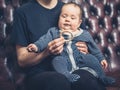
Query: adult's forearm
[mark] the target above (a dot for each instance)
(26, 58)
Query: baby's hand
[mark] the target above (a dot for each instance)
(32, 48)
(104, 64)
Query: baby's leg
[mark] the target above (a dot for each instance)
(93, 63)
(60, 64)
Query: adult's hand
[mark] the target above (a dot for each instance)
(56, 46)
(82, 47)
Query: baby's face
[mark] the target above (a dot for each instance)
(69, 18)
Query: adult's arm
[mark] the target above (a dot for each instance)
(26, 58)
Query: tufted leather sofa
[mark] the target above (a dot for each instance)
(102, 19)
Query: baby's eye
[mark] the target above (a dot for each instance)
(64, 16)
(73, 18)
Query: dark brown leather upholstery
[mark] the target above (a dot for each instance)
(102, 19)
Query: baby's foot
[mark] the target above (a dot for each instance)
(73, 77)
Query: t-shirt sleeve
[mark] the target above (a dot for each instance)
(19, 31)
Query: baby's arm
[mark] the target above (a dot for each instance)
(32, 48)
(95, 50)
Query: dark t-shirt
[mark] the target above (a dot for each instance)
(31, 21)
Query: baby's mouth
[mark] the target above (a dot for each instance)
(67, 26)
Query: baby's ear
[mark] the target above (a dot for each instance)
(79, 23)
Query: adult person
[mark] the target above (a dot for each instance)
(31, 21)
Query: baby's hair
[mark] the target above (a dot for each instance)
(76, 5)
